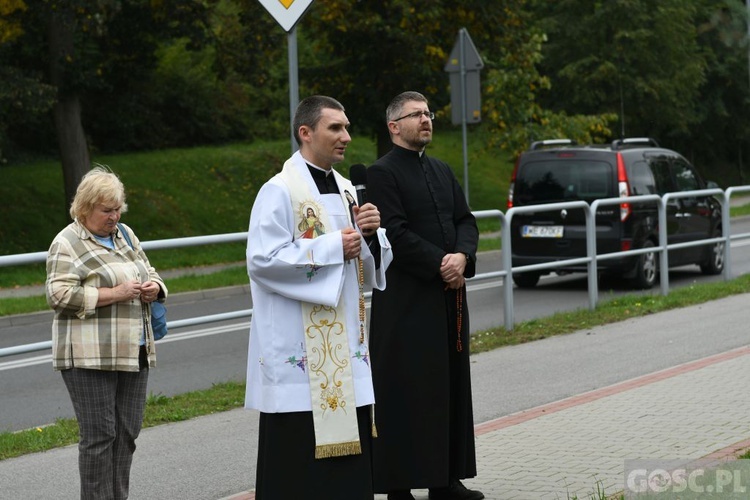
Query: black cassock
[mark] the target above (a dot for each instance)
(419, 330)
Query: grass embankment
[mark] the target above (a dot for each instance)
(161, 409)
(192, 192)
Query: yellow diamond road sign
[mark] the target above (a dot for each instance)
(286, 12)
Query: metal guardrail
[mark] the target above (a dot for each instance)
(590, 260)
(190, 241)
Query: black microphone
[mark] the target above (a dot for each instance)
(358, 177)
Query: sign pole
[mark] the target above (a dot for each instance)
(287, 13)
(462, 41)
(293, 83)
(463, 66)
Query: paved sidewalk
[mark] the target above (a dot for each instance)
(558, 439)
(577, 446)
(693, 411)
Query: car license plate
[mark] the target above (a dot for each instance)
(542, 231)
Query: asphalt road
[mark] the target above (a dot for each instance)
(196, 357)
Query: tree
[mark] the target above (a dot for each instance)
(676, 71)
(639, 59)
(515, 115)
(20, 94)
(80, 47)
(366, 52)
(74, 153)
(124, 76)
(724, 105)
(362, 53)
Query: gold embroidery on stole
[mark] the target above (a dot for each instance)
(326, 341)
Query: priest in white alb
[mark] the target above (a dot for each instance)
(311, 253)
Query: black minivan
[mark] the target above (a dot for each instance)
(559, 170)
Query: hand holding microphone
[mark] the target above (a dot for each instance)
(366, 215)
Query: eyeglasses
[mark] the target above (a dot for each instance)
(418, 115)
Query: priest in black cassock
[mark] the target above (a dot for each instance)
(419, 330)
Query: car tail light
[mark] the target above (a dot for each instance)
(512, 186)
(510, 194)
(622, 188)
(626, 245)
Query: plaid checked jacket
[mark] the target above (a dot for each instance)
(86, 336)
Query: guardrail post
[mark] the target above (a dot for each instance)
(664, 254)
(507, 266)
(725, 226)
(725, 223)
(483, 214)
(590, 212)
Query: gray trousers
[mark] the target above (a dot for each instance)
(109, 408)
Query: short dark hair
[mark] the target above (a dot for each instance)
(395, 108)
(309, 112)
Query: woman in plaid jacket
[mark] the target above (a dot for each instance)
(99, 288)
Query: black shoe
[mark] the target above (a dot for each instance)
(456, 491)
(401, 495)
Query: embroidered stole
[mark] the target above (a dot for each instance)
(326, 342)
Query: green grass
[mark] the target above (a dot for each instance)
(22, 305)
(221, 397)
(740, 210)
(199, 191)
(598, 493)
(159, 410)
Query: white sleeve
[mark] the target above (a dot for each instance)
(376, 276)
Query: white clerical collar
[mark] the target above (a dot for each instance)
(312, 165)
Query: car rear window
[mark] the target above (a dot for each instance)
(564, 180)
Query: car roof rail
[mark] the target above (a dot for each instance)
(634, 141)
(551, 142)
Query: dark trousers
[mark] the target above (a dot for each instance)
(109, 407)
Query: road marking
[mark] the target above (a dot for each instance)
(172, 337)
(204, 332)
(20, 363)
